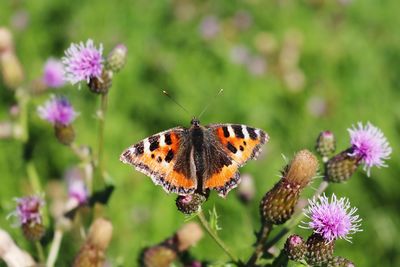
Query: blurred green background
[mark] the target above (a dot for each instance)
(292, 68)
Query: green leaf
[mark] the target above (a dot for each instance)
(213, 221)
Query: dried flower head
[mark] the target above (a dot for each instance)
(57, 110)
(369, 144)
(82, 62)
(53, 73)
(332, 219)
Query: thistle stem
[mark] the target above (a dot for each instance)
(102, 118)
(54, 249)
(40, 252)
(214, 236)
(22, 98)
(262, 237)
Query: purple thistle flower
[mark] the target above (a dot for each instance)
(76, 185)
(28, 210)
(57, 110)
(332, 219)
(82, 62)
(369, 143)
(53, 74)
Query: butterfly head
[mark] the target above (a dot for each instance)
(195, 122)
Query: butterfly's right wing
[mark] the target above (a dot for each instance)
(157, 157)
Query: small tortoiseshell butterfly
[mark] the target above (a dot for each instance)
(197, 159)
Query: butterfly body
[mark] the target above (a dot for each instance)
(196, 159)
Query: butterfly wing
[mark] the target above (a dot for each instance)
(157, 156)
(239, 143)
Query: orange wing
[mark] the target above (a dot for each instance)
(156, 156)
(238, 143)
(241, 142)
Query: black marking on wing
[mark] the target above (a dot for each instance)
(252, 133)
(168, 140)
(139, 148)
(226, 132)
(238, 131)
(169, 156)
(154, 142)
(231, 147)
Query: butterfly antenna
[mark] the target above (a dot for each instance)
(209, 103)
(173, 100)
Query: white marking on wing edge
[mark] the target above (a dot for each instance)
(162, 140)
(146, 145)
(231, 132)
(245, 132)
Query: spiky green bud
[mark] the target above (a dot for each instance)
(319, 250)
(341, 167)
(295, 248)
(190, 203)
(339, 262)
(326, 144)
(117, 58)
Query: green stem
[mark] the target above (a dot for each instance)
(55, 248)
(21, 130)
(40, 252)
(262, 237)
(100, 155)
(214, 236)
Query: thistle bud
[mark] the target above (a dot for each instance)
(341, 167)
(278, 204)
(188, 236)
(101, 85)
(12, 72)
(191, 203)
(326, 145)
(92, 253)
(295, 248)
(117, 58)
(319, 250)
(158, 256)
(339, 262)
(65, 133)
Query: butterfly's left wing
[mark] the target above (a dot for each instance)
(158, 157)
(238, 143)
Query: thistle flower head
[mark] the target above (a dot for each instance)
(332, 219)
(76, 185)
(57, 110)
(82, 62)
(369, 143)
(53, 73)
(28, 210)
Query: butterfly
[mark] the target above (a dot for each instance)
(196, 159)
